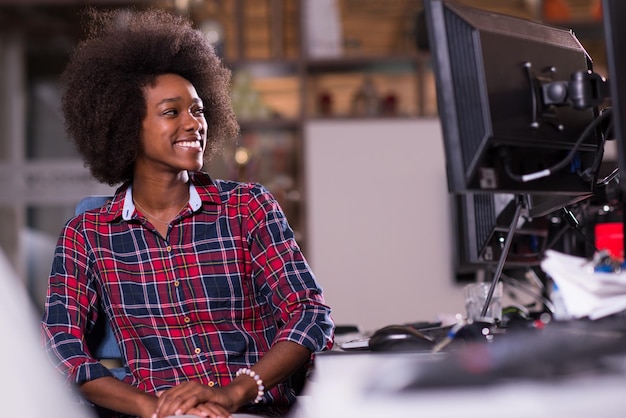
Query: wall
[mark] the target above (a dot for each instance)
(379, 222)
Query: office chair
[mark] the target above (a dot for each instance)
(101, 341)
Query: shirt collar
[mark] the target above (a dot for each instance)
(129, 205)
(208, 191)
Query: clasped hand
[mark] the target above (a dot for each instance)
(193, 398)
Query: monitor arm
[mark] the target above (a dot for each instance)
(584, 90)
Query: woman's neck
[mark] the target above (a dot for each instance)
(160, 193)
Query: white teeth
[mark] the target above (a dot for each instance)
(189, 144)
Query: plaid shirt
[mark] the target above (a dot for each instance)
(226, 283)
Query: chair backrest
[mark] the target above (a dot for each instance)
(101, 341)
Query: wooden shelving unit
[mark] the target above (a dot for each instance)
(265, 44)
(267, 39)
(379, 43)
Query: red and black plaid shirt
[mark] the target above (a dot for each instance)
(226, 283)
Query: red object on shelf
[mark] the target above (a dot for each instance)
(556, 11)
(595, 10)
(610, 237)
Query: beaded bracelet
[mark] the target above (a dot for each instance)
(257, 380)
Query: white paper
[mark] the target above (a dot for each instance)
(585, 292)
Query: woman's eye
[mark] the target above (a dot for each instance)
(171, 112)
(199, 111)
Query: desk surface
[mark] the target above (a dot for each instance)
(366, 384)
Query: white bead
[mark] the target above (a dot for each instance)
(257, 380)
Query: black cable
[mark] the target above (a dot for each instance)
(590, 173)
(561, 164)
(570, 218)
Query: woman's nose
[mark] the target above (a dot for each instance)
(192, 122)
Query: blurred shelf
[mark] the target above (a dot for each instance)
(268, 124)
(274, 65)
(363, 62)
(361, 118)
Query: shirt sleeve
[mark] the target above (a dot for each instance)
(284, 277)
(71, 308)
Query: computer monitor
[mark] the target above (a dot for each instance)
(483, 221)
(517, 102)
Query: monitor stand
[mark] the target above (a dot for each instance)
(520, 206)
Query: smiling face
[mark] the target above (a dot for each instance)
(174, 129)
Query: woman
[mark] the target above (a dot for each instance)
(211, 301)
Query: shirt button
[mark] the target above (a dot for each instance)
(187, 320)
(168, 248)
(176, 283)
(211, 384)
(197, 351)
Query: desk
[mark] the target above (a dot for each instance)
(365, 384)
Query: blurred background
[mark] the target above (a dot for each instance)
(301, 69)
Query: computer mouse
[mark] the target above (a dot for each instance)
(400, 338)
